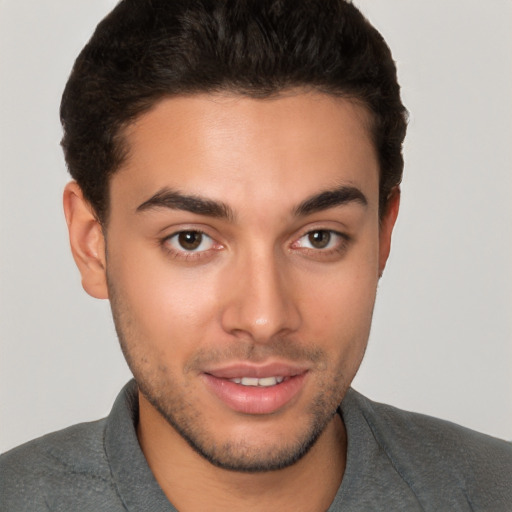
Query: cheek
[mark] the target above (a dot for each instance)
(344, 315)
(340, 312)
(346, 291)
(162, 306)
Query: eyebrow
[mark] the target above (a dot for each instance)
(172, 199)
(330, 199)
(168, 198)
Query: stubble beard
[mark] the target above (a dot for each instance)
(161, 389)
(237, 456)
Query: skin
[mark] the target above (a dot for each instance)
(267, 284)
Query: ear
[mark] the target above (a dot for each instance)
(386, 227)
(87, 241)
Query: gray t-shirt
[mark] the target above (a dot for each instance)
(396, 461)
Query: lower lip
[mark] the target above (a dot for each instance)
(255, 399)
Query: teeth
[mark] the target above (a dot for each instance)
(254, 381)
(249, 381)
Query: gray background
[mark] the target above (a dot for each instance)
(441, 340)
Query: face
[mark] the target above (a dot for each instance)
(243, 255)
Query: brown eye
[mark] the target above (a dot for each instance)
(322, 242)
(190, 240)
(319, 239)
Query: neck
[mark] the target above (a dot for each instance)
(192, 483)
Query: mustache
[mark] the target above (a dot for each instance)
(253, 352)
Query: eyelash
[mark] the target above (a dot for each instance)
(191, 255)
(188, 255)
(340, 246)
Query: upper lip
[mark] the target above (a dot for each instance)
(276, 369)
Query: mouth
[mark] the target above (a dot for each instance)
(256, 389)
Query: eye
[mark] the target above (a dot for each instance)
(190, 241)
(321, 239)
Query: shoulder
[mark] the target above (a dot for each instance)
(60, 464)
(440, 456)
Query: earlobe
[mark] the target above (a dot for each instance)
(87, 241)
(386, 227)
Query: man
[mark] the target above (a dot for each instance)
(237, 170)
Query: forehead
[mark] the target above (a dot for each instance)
(228, 146)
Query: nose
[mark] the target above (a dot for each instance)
(261, 303)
